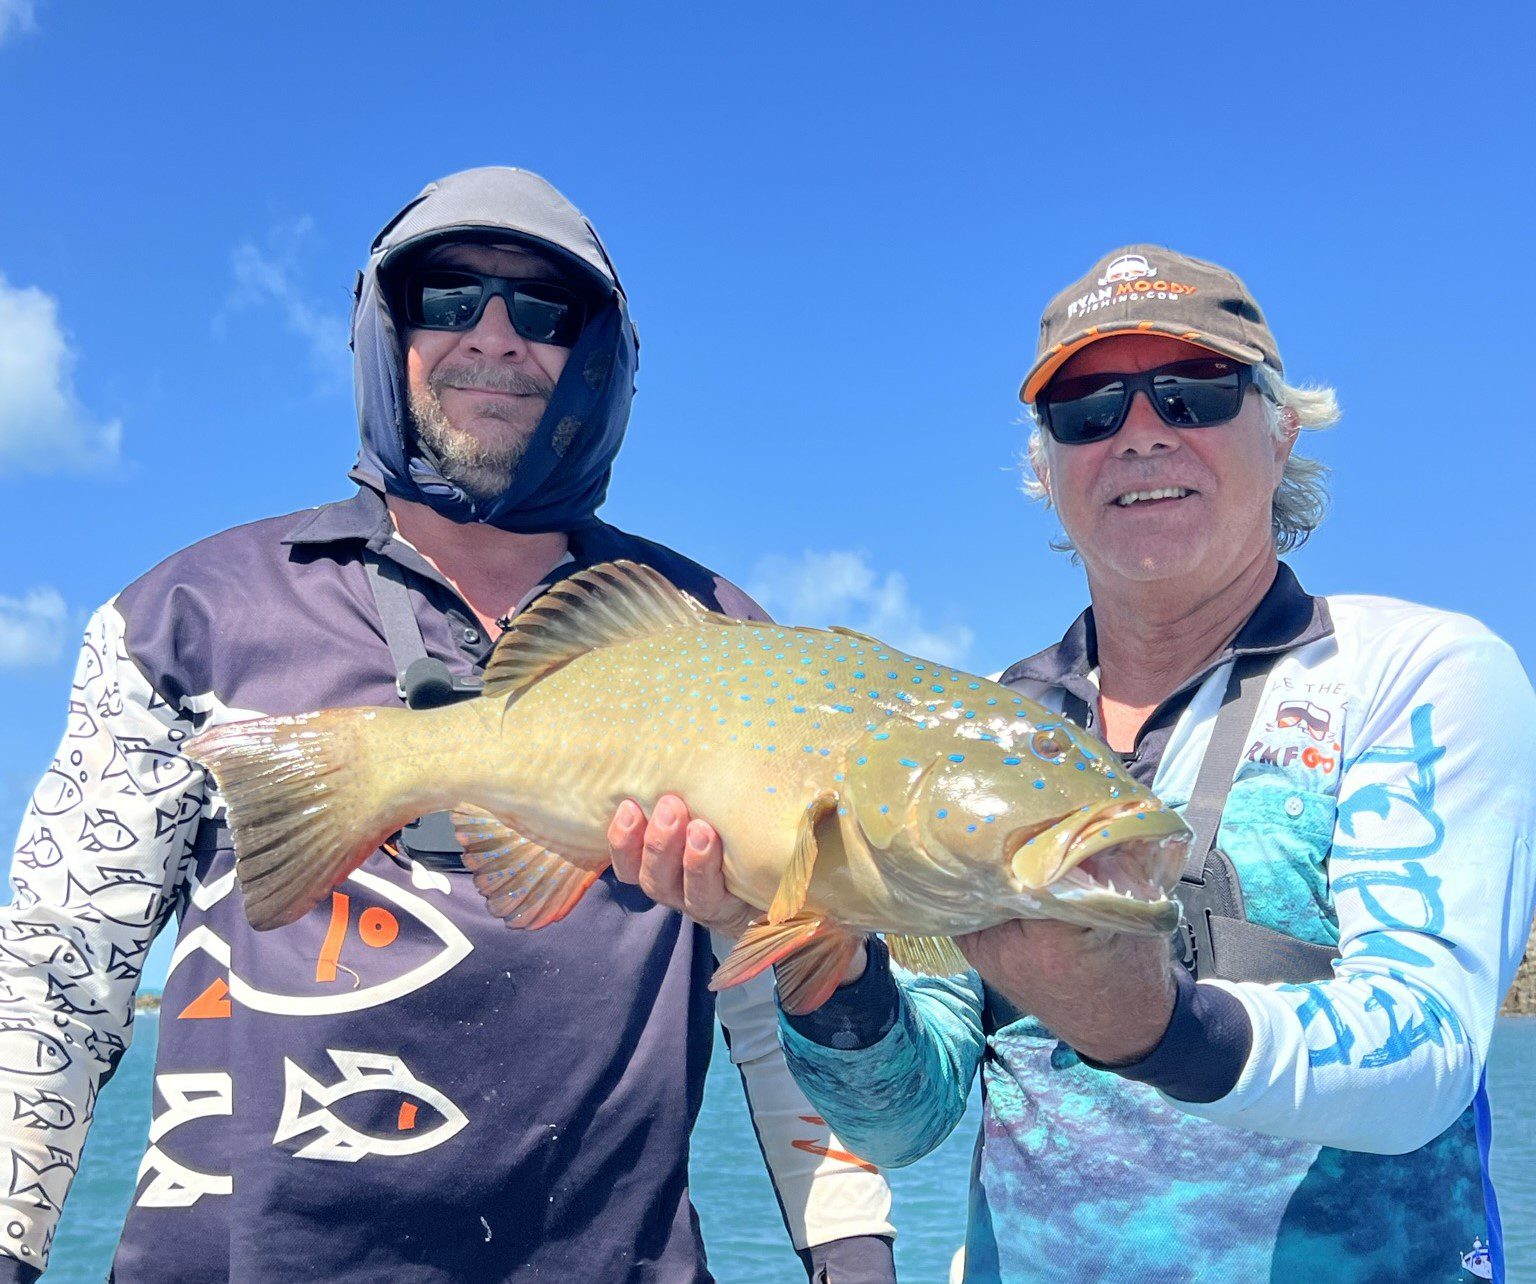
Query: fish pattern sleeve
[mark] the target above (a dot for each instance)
(826, 1192)
(1432, 876)
(97, 868)
(889, 1060)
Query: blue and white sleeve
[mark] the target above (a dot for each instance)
(1433, 880)
(889, 1060)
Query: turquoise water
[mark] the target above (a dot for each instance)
(746, 1240)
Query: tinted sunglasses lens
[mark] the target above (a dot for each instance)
(1194, 393)
(444, 300)
(1081, 411)
(546, 314)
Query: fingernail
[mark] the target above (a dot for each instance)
(629, 815)
(666, 812)
(698, 836)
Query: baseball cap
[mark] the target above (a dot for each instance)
(1150, 289)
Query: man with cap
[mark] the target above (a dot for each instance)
(1295, 1089)
(395, 1086)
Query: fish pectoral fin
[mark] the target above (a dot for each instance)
(524, 884)
(596, 607)
(930, 955)
(790, 898)
(813, 952)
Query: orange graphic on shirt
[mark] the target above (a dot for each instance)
(211, 1004)
(815, 1148)
(376, 927)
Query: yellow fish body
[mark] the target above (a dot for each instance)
(855, 788)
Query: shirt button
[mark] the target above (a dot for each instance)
(1294, 806)
(471, 636)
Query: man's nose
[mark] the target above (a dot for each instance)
(493, 334)
(1144, 432)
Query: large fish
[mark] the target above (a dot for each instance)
(854, 788)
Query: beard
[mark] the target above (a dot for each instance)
(481, 461)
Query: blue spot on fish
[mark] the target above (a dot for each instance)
(1039, 784)
(1010, 762)
(957, 757)
(907, 762)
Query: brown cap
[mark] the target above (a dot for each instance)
(1149, 289)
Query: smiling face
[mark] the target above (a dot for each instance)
(1155, 502)
(477, 395)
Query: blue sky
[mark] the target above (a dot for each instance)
(837, 224)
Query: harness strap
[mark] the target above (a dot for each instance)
(1239, 704)
(423, 682)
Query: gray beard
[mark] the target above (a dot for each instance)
(481, 469)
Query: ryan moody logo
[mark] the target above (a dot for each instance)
(1127, 279)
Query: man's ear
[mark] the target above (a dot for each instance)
(1290, 429)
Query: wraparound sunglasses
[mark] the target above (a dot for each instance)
(1197, 393)
(455, 299)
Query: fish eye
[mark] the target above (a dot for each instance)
(1052, 743)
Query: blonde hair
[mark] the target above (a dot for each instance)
(1301, 499)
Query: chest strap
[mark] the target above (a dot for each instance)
(423, 682)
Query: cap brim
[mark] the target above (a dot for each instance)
(1049, 362)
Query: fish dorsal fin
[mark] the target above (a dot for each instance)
(596, 607)
(876, 643)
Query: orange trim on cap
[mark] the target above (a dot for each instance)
(1062, 352)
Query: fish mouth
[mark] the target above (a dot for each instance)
(1115, 868)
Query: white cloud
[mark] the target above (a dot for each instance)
(32, 628)
(43, 426)
(269, 275)
(17, 15)
(819, 589)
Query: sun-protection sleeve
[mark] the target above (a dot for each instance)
(896, 1098)
(100, 857)
(1432, 876)
(826, 1192)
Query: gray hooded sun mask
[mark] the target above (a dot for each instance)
(562, 477)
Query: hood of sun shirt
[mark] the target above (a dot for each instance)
(562, 477)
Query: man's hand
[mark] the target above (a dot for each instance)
(1107, 994)
(677, 862)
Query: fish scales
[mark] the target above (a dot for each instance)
(855, 787)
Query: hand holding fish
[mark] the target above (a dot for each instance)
(680, 862)
(1108, 994)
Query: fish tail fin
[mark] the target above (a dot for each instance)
(305, 806)
(812, 951)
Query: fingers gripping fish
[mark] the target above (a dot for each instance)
(854, 788)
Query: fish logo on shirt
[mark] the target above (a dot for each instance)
(56, 794)
(172, 1184)
(42, 1109)
(104, 831)
(364, 1074)
(25, 1050)
(44, 1185)
(38, 945)
(357, 931)
(120, 894)
(41, 850)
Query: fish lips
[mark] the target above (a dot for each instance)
(1112, 867)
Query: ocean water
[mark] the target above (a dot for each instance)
(745, 1237)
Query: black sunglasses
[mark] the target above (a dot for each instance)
(455, 299)
(1186, 394)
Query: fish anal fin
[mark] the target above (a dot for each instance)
(596, 607)
(525, 885)
(812, 951)
(790, 898)
(929, 955)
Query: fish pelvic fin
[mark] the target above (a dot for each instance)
(596, 607)
(303, 806)
(812, 952)
(929, 955)
(796, 883)
(525, 885)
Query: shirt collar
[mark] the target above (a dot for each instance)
(1286, 617)
(362, 517)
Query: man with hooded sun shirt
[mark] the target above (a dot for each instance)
(1296, 1091)
(395, 1086)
